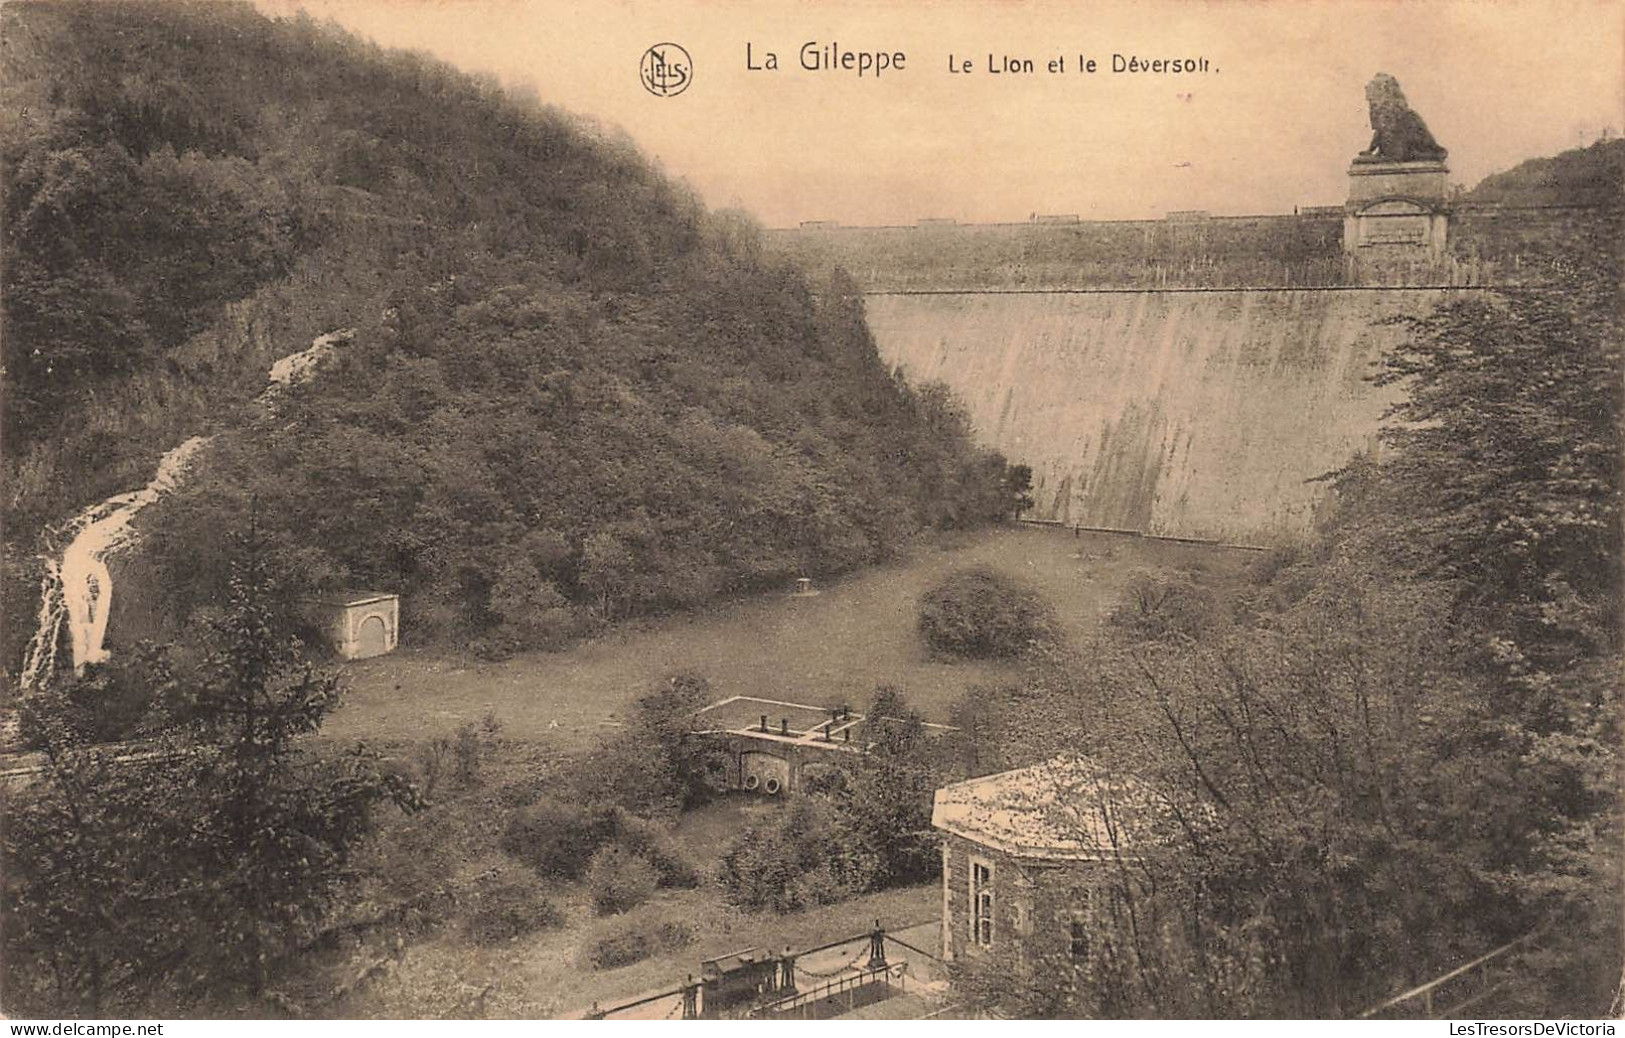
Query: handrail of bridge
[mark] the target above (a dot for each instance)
(828, 988)
(1427, 989)
(599, 1014)
(864, 936)
(910, 947)
(851, 939)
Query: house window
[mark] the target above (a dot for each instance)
(1080, 940)
(981, 900)
(1083, 918)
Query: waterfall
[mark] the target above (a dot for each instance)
(76, 591)
(297, 367)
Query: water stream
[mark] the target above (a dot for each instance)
(76, 591)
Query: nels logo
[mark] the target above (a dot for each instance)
(666, 70)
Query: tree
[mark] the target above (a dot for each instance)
(1019, 485)
(1505, 482)
(202, 859)
(275, 825)
(886, 807)
(1506, 472)
(607, 568)
(981, 613)
(84, 917)
(794, 860)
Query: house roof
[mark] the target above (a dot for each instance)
(1067, 809)
(353, 598)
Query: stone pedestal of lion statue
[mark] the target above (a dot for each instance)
(1397, 215)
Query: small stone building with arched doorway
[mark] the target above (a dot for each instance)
(362, 624)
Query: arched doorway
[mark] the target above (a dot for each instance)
(372, 639)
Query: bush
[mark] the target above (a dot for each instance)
(619, 880)
(525, 790)
(627, 941)
(120, 699)
(658, 764)
(473, 746)
(824, 779)
(558, 839)
(511, 910)
(649, 841)
(980, 614)
(1166, 609)
(800, 858)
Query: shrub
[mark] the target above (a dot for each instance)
(525, 790)
(825, 779)
(619, 880)
(557, 839)
(473, 745)
(649, 841)
(980, 614)
(432, 756)
(658, 764)
(511, 910)
(1166, 609)
(801, 857)
(624, 942)
(123, 698)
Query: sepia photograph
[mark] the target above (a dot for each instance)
(720, 510)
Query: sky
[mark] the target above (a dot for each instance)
(1270, 126)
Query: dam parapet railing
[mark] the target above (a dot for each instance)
(1489, 245)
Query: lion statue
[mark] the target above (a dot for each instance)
(1398, 133)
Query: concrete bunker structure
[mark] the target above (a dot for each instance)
(771, 743)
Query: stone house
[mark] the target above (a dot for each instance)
(1035, 861)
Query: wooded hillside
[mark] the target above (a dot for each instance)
(573, 393)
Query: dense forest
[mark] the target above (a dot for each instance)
(573, 394)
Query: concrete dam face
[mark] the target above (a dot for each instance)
(1189, 376)
(1185, 412)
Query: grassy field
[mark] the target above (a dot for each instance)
(824, 650)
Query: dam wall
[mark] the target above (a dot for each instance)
(1187, 413)
(1192, 250)
(1190, 376)
(1487, 244)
